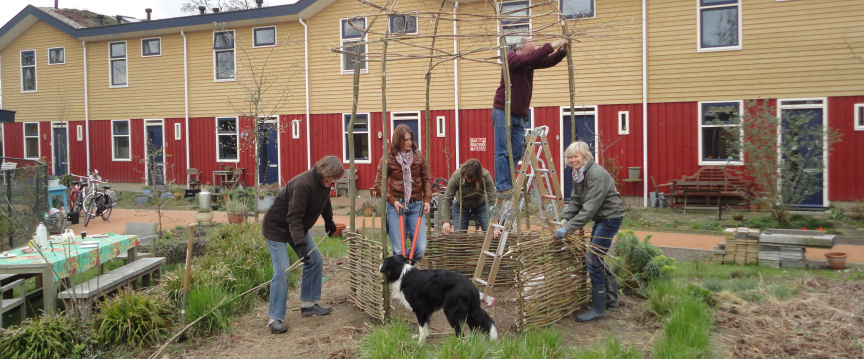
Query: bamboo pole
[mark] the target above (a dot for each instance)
(187, 275)
(427, 111)
(383, 207)
(571, 80)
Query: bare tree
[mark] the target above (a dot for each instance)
(191, 6)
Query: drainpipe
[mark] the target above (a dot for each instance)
(456, 78)
(645, 103)
(186, 102)
(86, 110)
(306, 59)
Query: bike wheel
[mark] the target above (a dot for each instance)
(89, 207)
(106, 207)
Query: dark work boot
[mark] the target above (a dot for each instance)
(598, 306)
(277, 327)
(611, 293)
(314, 310)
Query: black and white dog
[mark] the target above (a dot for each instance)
(426, 291)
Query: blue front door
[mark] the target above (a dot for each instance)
(585, 132)
(155, 156)
(802, 135)
(268, 155)
(61, 162)
(413, 123)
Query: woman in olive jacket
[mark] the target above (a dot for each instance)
(409, 191)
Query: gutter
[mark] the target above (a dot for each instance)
(645, 103)
(86, 109)
(456, 79)
(306, 59)
(186, 102)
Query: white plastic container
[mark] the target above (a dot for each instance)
(42, 235)
(204, 199)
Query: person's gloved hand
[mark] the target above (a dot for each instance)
(560, 233)
(329, 226)
(302, 253)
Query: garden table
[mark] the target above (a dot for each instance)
(62, 261)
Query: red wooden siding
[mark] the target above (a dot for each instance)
(13, 139)
(77, 149)
(293, 157)
(626, 149)
(100, 152)
(442, 157)
(845, 164)
(477, 123)
(203, 150)
(175, 151)
(327, 139)
(672, 140)
(45, 153)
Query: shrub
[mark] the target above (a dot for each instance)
(174, 251)
(638, 263)
(43, 337)
(133, 319)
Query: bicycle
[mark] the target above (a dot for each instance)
(98, 202)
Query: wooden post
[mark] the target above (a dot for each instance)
(187, 275)
(571, 80)
(383, 207)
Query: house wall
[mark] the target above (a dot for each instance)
(844, 162)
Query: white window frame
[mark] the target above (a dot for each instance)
(699, 9)
(26, 137)
(143, 47)
(625, 129)
(859, 117)
(406, 15)
(35, 71)
(55, 48)
(111, 64)
(740, 125)
(114, 137)
(342, 41)
(215, 51)
(505, 24)
(275, 37)
(236, 137)
(178, 131)
(79, 133)
(408, 115)
(295, 129)
(441, 126)
(593, 11)
(343, 119)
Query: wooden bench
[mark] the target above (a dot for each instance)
(148, 269)
(711, 186)
(9, 301)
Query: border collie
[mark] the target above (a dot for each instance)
(426, 291)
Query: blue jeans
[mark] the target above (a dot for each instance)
(462, 225)
(411, 213)
(310, 285)
(601, 238)
(517, 137)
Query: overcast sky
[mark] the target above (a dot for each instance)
(134, 8)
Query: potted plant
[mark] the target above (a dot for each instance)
(633, 172)
(204, 215)
(236, 210)
(837, 260)
(266, 195)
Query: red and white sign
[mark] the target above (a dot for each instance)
(478, 144)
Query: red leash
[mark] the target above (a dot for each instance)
(414, 240)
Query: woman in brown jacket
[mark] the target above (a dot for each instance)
(409, 191)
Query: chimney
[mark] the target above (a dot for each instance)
(57, 4)
(259, 2)
(119, 18)
(148, 11)
(202, 9)
(215, 10)
(101, 19)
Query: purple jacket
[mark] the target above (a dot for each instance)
(522, 77)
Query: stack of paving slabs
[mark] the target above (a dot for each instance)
(742, 245)
(786, 247)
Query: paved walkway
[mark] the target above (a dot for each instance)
(173, 218)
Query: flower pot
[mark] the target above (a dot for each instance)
(265, 202)
(633, 172)
(235, 218)
(338, 231)
(204, 217)
(836, 260)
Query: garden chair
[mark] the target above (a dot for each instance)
(234, 180)
(194, 181)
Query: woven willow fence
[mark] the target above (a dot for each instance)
(555, 282)
(459, 253)
(365, 256)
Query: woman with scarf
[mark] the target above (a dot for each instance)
(409, 191)
(594, 197)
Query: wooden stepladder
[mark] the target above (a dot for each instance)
(536, 170)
